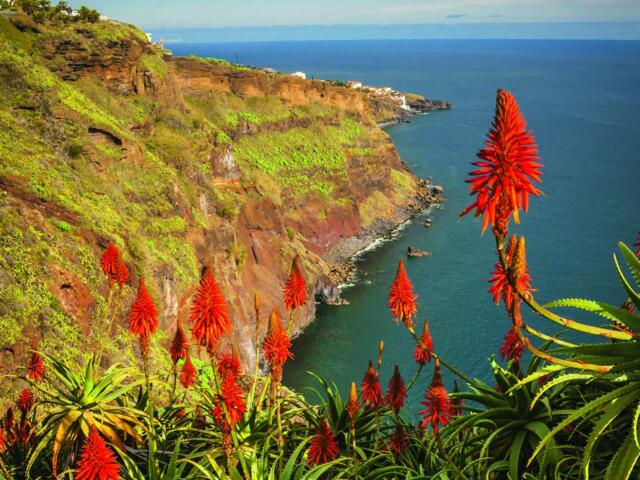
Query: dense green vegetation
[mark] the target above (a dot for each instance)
(41, 11)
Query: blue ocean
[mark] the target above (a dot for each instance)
(581, 99)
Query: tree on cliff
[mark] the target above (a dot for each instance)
(86, 14)
(42, 11)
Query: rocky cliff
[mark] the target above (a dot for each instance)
(185, 163)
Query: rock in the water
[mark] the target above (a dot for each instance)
(427, 223)
(416, 252)
(329, 294)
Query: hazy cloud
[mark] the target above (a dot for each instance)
(232, 13)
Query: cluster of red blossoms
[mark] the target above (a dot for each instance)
(230, 403)
(143, 318)
(438, 405)
(276, 346)
(508, 165)
(210, 319)
(188, 372)
(371, 389)
(402, 300)
(20, 432)
(209, 313)
(295, 290)
(398, 441)
(424, 347)
(179, 345)
(323, 446)
(502, 284)
(97, 461)
(35, 369)
(17, 432)
(512, 347)
(396, 392)
(113, 266)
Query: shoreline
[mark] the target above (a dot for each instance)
(344, 254)
(377, 243)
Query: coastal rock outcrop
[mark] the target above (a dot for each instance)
(416, 252)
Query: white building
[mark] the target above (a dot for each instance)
(301, 75)
(355, 85)
(403, 103)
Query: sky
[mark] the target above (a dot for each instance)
(464, 15)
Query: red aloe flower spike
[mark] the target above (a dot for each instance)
(143, 318)
(507, 168)
(209, 313)
(398, 441)
(371, 389)
(424, 348)
(229, 364)
(295, 290)
(122, 273)
(276, 346)
(396, 391)
(109, 262)
(25, 401)
(438, 409)
(637, 244)
(188, 373)
(3, 441)
(233, 399)
(323, 446)
(180, 344)
(436, 399)
(402, 300)
(97, 461)
(512, 347)
(35, 369)
(352, 407)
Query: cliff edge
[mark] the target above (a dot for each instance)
(185, 163)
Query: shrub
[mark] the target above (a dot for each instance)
(64, 226)
(74, 150)
(86, 14)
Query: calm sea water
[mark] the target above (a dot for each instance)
(581, 98)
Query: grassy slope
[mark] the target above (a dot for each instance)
(68, 192)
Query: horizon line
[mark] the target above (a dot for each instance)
(448, 39)
(443, 23)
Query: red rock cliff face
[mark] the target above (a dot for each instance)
(249, 244)
(200, 78)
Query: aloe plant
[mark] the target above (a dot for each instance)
(75, 402)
